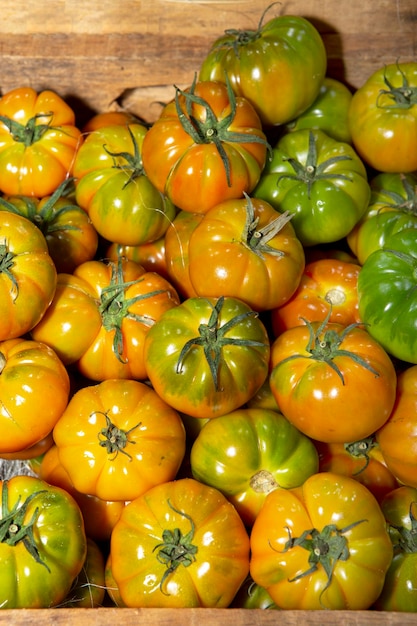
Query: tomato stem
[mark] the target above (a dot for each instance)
(31, 132)
(6, 264)
(115, 439)
(258, 240)
(360, 450)
(403, 97)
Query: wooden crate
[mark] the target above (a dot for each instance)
(107, 54)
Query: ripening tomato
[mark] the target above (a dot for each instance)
(34, 392)
(38, 142)
(383, 118)
(151, 256)
(323, 545)
(279, 67)
(335, 383)
(179, 545)
(28, 275)
(177, 239)
(119, 438)
(245, 249)
(207, 146)
(109, 118)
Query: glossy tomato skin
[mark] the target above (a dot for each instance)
(193, 174)
(248, 453)
(340, 508)
(234, 251)
(327, 287)
(177, 256)
(383, 118)
(34, 392)
(387, 295)
(397, 438)
(123, 204)
(180, 347)
(118, 438)
(308, 175)
(35, 167)
(324, 396)
(212, 570)
(150, 255)
(109, 118)
(400, 589)
(28, 275)
(285, 56)
(58, 537)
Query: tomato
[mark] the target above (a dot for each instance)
(361, 460)
(400, 589)
(151, 256)
(69, 232)
(335, 383)
(397, 438)
(285, 56)
(28, 275)
(43, 545)
(207, 357)
(88, 589)
(309, 174)
(177, 239)
(392, 207)
(179, 545)
(31, 453)
(245, 249)
(328, 287)
(109, 118)
(113, 189)
(248, 453)
(323, 545)
(207, 146)
(387, 295)
(329, 111)
(383, 118)
(119, 438)
(34, 391)
(99, 515)
(118, 303)
(38, 142)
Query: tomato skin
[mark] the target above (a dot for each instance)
(247, 453)
(185, 381)
(27, 276)
(286, 56)
(225, 259)
(387, 295)
(331, 174)
(150, 256)
(124, 437)
(325, 499)
(192, 174)
(88, 589)
(177, 240)
(58, 536)
(325, 404)
(109, 118)
(384, 127)
(327, 287)
(34, 391)
(218, 568)
(397, 438)
(38, 168)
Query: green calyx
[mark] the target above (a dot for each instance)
(258, 240)
(324, 345)
(176, 549)
(406, 538)
(14, 529)
(128, 162)
(114, 306)
(6, 264)
(31, 132)
(310, 171)
(212, 338)
(325, 547)
(406, 203)
(115, 439)
(403, 97)
(241, 38)
(212, 130)
(361, 449)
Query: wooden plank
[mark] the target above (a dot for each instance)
(101, 55)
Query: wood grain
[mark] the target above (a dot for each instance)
(106, 54)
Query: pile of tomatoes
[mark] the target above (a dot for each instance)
(208, 346)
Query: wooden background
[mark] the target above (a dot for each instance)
(102, 54)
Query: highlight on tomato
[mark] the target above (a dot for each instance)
(38, 142)
(179, 545)
(324, 545)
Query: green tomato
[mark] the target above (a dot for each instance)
(43, 543)
(321, 181)
(329, 112)
(387, 295)
(248, 453)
